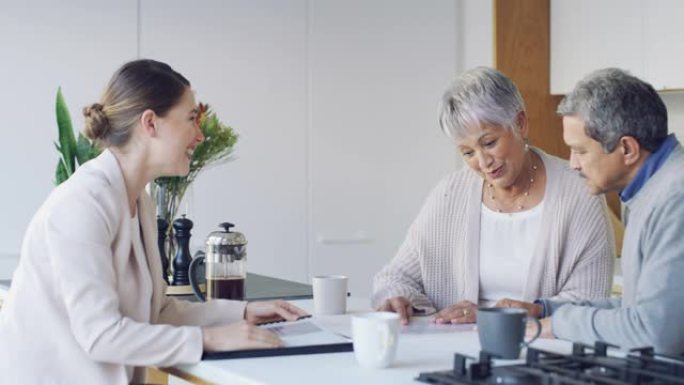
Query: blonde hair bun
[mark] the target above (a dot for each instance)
(96, 122)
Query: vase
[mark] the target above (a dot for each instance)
(170, 204)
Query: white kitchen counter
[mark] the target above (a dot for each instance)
(416, 353)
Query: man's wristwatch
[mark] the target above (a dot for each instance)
(543, 306)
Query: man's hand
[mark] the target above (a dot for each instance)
(464, 312)
(533, 309)
(399, 305)
(268, 311)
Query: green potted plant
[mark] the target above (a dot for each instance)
(73, 152)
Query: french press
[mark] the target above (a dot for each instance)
(225, 265)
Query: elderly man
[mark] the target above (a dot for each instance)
(616, 128)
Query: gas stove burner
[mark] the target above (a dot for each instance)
(585, 365)
(511, 378)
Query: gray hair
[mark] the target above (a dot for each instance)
(612, 103)
(479, 96)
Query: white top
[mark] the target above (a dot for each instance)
(507, 242)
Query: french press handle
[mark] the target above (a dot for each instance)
(197, 274)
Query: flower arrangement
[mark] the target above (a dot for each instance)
(219, 140)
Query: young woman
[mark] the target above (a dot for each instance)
(87, 303)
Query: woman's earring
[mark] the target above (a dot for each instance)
(527, 144)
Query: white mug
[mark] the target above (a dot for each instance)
(330, 294)
(375, 338)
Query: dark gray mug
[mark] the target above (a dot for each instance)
(502, 331)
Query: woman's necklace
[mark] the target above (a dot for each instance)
(521, 205)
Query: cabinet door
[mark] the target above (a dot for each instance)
(587, 35)
(45, 44)
(664, 43)
(378, 70)
(247, 59)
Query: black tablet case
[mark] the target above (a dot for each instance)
(286, 351)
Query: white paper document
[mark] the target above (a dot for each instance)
(424, 325)
(305, 333)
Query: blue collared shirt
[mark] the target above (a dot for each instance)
(650, 166)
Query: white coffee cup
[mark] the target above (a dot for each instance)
(330, 294)
(375, 338)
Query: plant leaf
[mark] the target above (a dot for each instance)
(67, 142)
(85, 149)
(60, 173)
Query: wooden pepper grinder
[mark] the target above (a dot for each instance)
(181, 262)
(162, 226)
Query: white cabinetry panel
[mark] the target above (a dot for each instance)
(664, 43)
(642, 36)
(378, 69)
(587, 35)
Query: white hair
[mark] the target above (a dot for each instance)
(480, 96)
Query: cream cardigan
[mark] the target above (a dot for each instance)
(438, 263)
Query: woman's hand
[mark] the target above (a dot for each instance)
(464, 312)
(269, 311)
(399, 305)
(238, 336)
(533, 310)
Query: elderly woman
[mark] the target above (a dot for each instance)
(514, 226)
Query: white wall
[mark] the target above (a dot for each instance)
(75, 44)
(335, 102)
(475, 33)
(377, 73)
(249, 61)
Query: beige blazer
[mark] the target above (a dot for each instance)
(83, 308)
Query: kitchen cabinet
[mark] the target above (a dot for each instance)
(641, 36)
(664, 44)
(376, 149)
